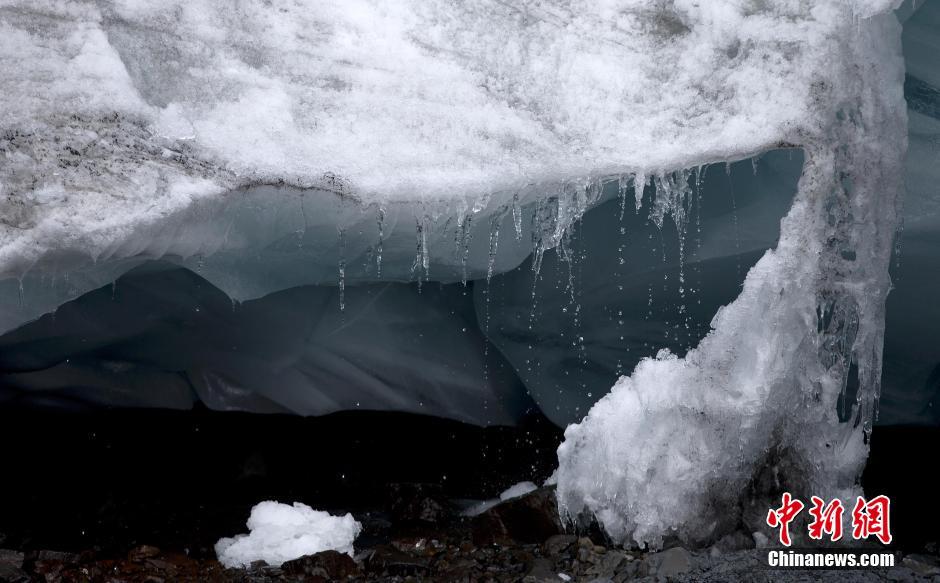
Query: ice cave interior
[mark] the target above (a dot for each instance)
(518, 212)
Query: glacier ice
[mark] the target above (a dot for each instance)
(282, 532)
(366, 142)
(129, 129)
(670, 450)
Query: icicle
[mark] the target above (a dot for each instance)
(422, 261)
(544, 227)
(639, 183)
(378, 246)
(303, 213)
(517, 216)
(342, 270)
(660, 206)
(458, 239)
(425, 255)
(467, 236)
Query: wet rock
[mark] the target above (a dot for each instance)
(736, 541)
(142, 553)
(585, 552)
(607, 565)
(528, 519)
(632, 569)
(12, 573)
(50, 564)
(922, 564)
(386, 559)
(56, 556)
(557, 544)
(419, 546)
(8, 557)
(669, 563)
(330, 565)
(419, 503)
(161, 565)
(542, 571)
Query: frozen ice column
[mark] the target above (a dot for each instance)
(691, 448)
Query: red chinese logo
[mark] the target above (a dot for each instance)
(783, 516)
(871, 518)
(827, 519)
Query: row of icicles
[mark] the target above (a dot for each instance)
(552, 217)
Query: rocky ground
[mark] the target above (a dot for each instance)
(135, 496)
(423, 537)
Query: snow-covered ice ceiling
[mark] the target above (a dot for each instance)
(127, 126)
(311, 158)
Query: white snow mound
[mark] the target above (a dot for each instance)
(279, 533)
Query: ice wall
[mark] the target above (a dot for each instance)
(675, 448)
(162, 336)
(912, 335)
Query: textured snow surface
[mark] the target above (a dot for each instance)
(280, 532)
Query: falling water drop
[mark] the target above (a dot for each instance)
(494, 243)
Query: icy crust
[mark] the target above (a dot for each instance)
(119, 119)
(691, 448)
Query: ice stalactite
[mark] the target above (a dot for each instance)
(675, 449)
